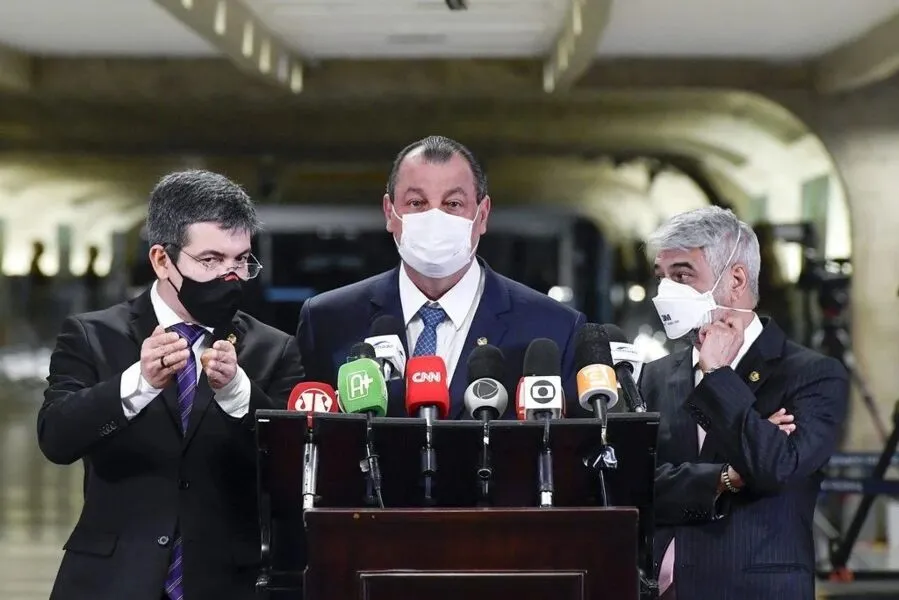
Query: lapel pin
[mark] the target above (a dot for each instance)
(754, 376)
(232, 338)
(482, 341)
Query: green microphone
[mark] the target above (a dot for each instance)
(360, 384)
(361, 389)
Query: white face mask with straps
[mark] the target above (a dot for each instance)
(682, 309)
(436, 243)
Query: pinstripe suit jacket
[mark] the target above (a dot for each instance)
(756, 544)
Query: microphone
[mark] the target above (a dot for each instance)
(597, 387)
(486, 399)
(362, 390)
(597, 390)
(627, 367)
(385, 336)
(542, 399)
(427, 397)
(311, 397)
(541, 387)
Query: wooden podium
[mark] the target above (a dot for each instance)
(342, 550)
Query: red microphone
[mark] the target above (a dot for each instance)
(519, 402)
(427, 389)
(313, 396)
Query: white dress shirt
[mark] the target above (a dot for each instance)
(136, 393)
(750, 335)
(460, 304)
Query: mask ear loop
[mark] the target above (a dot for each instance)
(728, 263)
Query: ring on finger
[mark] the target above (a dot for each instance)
(162, 362)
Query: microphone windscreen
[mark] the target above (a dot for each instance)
(591, 346)
(486, 361)
(387, 325)
(426, 385)
(542, 358)
(361, 350)
(313, 396)
(615, 334)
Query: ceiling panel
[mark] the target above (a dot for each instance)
(96, 27)
(414, 28)
(766, 29)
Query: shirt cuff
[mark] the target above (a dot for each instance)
(136, 393)
(234, 398)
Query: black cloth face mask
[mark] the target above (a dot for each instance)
(213, 303)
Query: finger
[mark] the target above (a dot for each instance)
(175, 346)
(175, 367)
(787, 419)
(223, 346)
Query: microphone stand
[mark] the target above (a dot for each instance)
(310, 469)
(545, 467)
(603, 458)
(428, 457)
(485, 472)
(371, 467)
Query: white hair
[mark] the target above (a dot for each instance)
(715, 231)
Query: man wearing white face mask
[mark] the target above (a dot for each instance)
(748, 420)
(443, 298)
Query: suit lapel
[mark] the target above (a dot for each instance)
(385, 300)
(683, 427)
(490, 323)
(204, 395)
(754, 369)
(143, 322)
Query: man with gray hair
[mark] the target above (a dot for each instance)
(748, 420)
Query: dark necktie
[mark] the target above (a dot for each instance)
(431, 316)
(187, 389)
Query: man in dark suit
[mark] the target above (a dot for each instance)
(156, 396)
(748, 420)
(436, 207)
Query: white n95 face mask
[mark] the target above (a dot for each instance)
(435, 243)
(683, 309)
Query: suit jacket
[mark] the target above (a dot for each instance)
(145, 482)
(510, 315)
(756, 543)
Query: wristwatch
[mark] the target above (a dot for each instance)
(725, 477)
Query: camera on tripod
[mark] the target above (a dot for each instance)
(831, 279)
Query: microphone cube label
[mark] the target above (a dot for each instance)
(359, 384)
(427, 377)
(314, 401)
(542, 393)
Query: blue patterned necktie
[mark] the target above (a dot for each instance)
(187, 389)
(431, 316)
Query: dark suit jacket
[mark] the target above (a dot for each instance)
(510, 315)
(756, 544)
(144, 480)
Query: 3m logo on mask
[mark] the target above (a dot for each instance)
(665, 318)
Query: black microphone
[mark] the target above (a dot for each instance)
(624, 369)
(486, 399)
(542, 399)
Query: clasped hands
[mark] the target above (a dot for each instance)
(164, 354)
(719, 344)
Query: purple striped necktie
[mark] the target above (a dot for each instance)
(187, 389)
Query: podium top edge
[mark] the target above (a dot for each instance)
(269, 414)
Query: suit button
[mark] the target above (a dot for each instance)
(183, 484)
(162, 540)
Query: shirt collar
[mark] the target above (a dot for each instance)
(456, 302)
(750, 335)
(164, 313)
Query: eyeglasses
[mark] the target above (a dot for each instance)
(246, 268)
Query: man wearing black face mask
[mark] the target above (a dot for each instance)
(157, 395)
